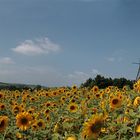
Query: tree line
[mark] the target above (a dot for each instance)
(103, 82)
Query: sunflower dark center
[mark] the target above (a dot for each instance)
(138, 101)
(40, 124)
(2, 106)
(0, 96)
(115, 101)
(34, 126)
(48, 104)
(48, 118)
(74, 87)
(97, 95)
(73, 100)
(16, 108)
(95, 89)
(47, 111)
(72, 107)
(24, 120)
(2, 124)
(30, 111)
(96, 128)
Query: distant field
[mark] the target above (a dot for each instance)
(15, 85)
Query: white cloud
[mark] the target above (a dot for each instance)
(6, 60)
(36, 47)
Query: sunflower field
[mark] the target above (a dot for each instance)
(71, 114)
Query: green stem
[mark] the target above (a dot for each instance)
(119, 137)
(4, 134)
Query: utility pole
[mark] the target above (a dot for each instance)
(138, 73)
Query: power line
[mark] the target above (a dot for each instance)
(138, 73)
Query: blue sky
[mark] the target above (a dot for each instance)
(64, 42)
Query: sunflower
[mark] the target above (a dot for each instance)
(73, 100)
(34, 126)
(92, 127)
(89, 97)
(95, 89)
(74, 88)
(115, 102)
(74, 93)
(128, 101)
(124, 88)
(54, 93)
(27, 95)
(23, 120)
(136, 86)
(16, 109)
(47, 111)
(120, 95)
(63, 98)
(102, 92)
(71, 138)
(48, 118)
(97, 95)
(68, 94)
(136, 101)
(23, 99)
(76, 97)
(3, 123)
(1, 95)
(47, 94)
(72, 107)
(61, 90)
(19, 135)
(2, 106)
(138, 128)
(54, 104)
(31, 110)
(107, 90)
(32, 99)
(40, 124)
(48, 104)
(17, 96)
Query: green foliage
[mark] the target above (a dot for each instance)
(103, 82)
